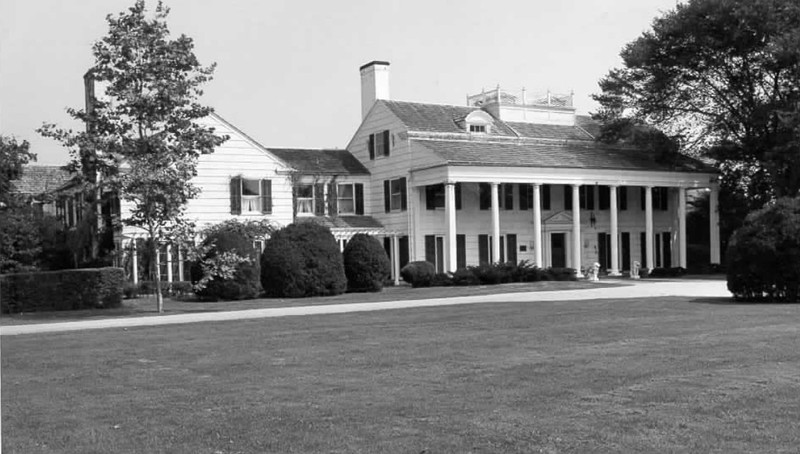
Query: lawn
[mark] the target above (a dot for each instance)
(651, 375)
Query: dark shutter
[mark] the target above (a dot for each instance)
(502, 249)
(590, 197)
(485, 195)
(602, 251)
(622, 193)
(567, 197)
(605, 198)
(430, 196)
(266, 196)
(359, 198)
(371, 146)
(511, 239)
(319, 199)
(458, 196)
(525, 196)
(461, 251)
(386, 141)
(483, 249)
(403, 251)
(236, 195)
(387, 195)
(333, 199)
(403, 194)
(508, 194)
(545, 196)
(643, 249)
(667, 242)
(430, 249)
(657, 250)
(642, 199)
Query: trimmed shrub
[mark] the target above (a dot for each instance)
(561, 274)
(442, 280)
(366, 264)
(763, 256)
(667, 272)
(464, 277)
(418, 274)
(230, 267)
(302, 260)
(96, 288)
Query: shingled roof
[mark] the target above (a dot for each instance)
(576, 155)
(321, 161)
(438, 118)
(40, 179)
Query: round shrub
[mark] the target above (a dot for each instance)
(366, 264)
(418, 274)
(764, 254)
(231, 263)
(302, 260)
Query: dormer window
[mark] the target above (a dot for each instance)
(478, 122)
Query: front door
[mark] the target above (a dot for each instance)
(558, 249)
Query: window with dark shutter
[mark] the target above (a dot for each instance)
(483, 249)
(266, 196)
(458, 196)
(545, 196)
(525, 196)
(622, 196)
(430, 249)
(567, 197)
(359, 198)
(508, 196)
(236, 195)
(643, 199)
(434, 196)
(511, 241)
(387, 196)
(605, 198)
(403, 194)
(461, 252)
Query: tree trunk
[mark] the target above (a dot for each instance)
(157, 277)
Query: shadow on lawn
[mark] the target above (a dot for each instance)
(730, 301)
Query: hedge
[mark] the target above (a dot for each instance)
(366, 264)
(95, 288)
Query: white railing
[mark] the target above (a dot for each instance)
(520, 98)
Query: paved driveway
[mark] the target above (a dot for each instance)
(639, 289)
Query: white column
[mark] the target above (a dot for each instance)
(495, 222)
(648, 222)
(682, 228)
(576, 229)
(713, 217)
(538, 254)
(396, 258)
(180, 264)
(135, 262)
(450, 218)
(169, 263)
(414, 205)
(614, 271)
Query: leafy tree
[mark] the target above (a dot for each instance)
(721, 78)
(143, 137)
(13, 156)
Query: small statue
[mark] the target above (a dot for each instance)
(635, 270)
(594, 272)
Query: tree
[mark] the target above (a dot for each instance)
(722, 79)
(143, 138)
(13, 156)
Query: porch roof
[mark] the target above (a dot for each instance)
(541, 154)
(321, 161)
(344, 227)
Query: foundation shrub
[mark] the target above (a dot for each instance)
(366, 264)
(464, 277)
(442, 280)
(229, 269)
(763, 255)
(302, 260)
(97, 288)
(418, 274)
(667, 272)
(561, 274)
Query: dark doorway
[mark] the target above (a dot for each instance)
(667, 242)
(604, 250)
(558, 250)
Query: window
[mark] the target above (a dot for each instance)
(526, 196)
(379, 144)
(505, 194)
(477, 128)
(394, 195)
(435, 196)
(508, 248)
(345, 198)
(605, 198)
(305, 198)
(660, 198)
(250, 196)
(586, 194)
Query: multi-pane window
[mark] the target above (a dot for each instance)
(394, 195)
(379, 144)
(435, 195)
(305, 198)
(346, 199)
(477, 128)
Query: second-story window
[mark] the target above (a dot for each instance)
(394, 195)
(305, 199)
(379, 144)
(346, 199)
(250, 196)
(477, 128)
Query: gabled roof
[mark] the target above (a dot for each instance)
(577, 155)
(320, 161)
(40, 179)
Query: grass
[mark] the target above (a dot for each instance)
(651, 375)
(146, 305)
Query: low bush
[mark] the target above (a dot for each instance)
(763, 255)
(418, 274)
(561, 274)
(229, 269)
(130, 290)
(302, 260)
(96, 288)
(464, 277)
(366, 264)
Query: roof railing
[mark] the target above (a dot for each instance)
(520, 98)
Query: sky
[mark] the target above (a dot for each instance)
(287, 71)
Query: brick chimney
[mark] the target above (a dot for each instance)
(374, 84)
